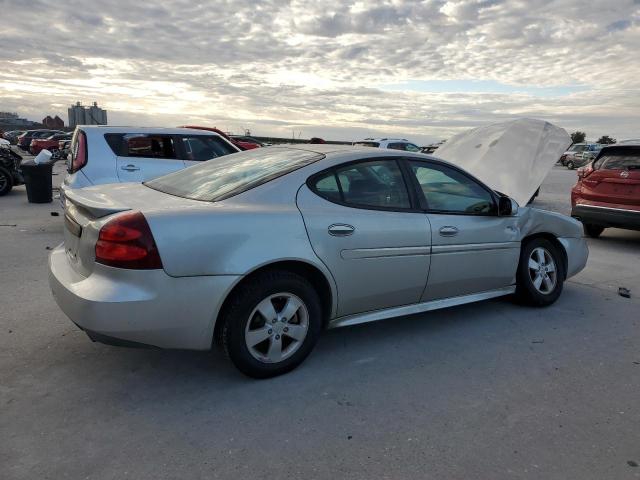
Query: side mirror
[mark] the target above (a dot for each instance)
(507, 206)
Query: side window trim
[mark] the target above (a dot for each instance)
(413, 199)
(423, 198)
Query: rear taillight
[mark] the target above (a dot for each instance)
(78, 152)
(127, 242)
(584, 172)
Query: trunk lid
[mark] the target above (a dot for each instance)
(88, 209)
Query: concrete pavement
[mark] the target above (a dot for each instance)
(485, 391)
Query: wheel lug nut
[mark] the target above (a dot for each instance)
(274, 320)
(270, 332)
(277, 337)
(284, 319)
(286, 329)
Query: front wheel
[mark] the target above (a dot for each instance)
(540, 273)
(271, 324)
(571, 165)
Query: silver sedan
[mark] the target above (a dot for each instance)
(260, 250)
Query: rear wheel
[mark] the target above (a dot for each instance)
(271, 324)
(592, 230)
(540, 273)
(6, 181)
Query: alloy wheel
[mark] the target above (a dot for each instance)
(276, 328)
(542, 270)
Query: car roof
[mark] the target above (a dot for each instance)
(384, 139)
(367, 152)
(130, 129)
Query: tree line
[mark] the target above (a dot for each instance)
(578, 137)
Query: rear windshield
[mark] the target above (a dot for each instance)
(227, 176)
(623, 159)
(367, 144)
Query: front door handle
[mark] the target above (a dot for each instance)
(341, 230)
(130, 168)
(448, 231)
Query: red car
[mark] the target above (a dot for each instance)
(50, 143)
(242, 144)
(608, 190)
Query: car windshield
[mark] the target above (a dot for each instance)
(230, 175)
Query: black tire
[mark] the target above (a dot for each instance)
(571, 165)
(6, 181)
(592, 230)
(236, 316)
(526, 291)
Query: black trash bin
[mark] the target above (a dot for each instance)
(37, 178)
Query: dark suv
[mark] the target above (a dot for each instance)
(607, 193)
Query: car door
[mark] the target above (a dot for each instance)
(200, 148)
(473, 249)
(365, 225)
(145, 156)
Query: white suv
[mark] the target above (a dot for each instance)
(393, 143)
(102, 154)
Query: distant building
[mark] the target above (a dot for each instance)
(55, 123)
(80, 115)
(11, 119)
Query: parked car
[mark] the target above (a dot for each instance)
(12, 136)
(392, 143)
(241, 144)
(246, 142)
(573, 157)
(24, 140)
(10, 175)
(607, 193)
(101, 154)
(50, 143)
(260, 250)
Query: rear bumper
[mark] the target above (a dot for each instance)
(607, 216)
(126, 307)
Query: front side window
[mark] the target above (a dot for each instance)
(370, 184)
(233, 174)
(447, 190)
(200, 148)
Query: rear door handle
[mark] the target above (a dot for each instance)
(130, 168)
(448, 231)
(341, 230)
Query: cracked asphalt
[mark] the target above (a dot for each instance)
(484, 391)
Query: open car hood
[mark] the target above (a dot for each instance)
(511, 157)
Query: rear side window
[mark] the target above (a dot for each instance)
(202, 148)
(148, 146)
(371, 184)
(620, 162)
(367, 144)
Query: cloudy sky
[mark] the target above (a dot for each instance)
(342, 70)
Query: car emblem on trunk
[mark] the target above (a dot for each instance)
(624, 174)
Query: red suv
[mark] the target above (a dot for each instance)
(608, 190)
(241, 142)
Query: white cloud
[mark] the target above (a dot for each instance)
(321, 67)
